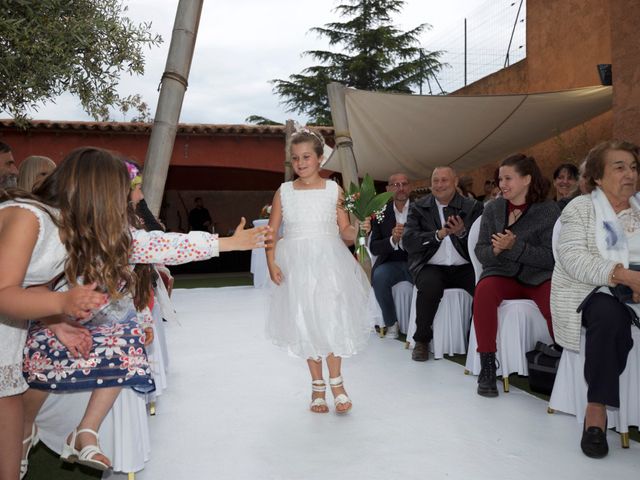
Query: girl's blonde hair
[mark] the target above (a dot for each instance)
(29, 169)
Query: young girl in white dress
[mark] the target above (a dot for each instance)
(319, 305)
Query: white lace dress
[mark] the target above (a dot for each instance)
(46, 263)
(321, 305)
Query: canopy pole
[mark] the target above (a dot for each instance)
(344, 143)
(288, 167)
(172, 89)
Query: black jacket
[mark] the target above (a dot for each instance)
(530, 260)
(380, 235)
(419, 239)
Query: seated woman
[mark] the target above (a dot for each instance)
(565, 182)
(599, 241)
(514, 247)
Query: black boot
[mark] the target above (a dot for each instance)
(487, 378)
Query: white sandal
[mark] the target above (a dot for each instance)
(85, 456)
(341, 399)
(318, 386)
(30, 441)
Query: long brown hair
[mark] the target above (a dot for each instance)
(524, 165)
(89, 189)
(144, 273)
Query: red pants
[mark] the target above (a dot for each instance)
(489, 294)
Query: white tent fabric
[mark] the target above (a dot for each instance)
(414, 133)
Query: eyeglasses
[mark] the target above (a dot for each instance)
(399, 185)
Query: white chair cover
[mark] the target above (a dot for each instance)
(450, 325)
(124, 435)
(569, 393)
(555, 237)
(520, 326)
(158, 354)
(259, 261)
(402, 293)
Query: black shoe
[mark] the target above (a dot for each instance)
(420, 352)
(487, 378)
(594, 442)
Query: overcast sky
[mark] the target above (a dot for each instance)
(241, 45)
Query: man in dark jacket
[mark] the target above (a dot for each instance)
(435, 238)
(199, 217)
(390, 267)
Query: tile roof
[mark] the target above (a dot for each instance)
(183, 128)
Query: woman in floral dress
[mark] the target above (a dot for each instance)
(87, 198)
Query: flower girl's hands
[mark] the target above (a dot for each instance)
(366, 225)
(276, 274)
(246, 239)
(79, 301)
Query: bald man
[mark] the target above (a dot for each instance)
(435, 238)
(386, 243)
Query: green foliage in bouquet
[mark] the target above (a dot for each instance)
(363, 202)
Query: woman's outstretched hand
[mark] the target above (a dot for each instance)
(246, 239)
(79, 301)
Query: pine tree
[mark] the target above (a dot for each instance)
(375, 55)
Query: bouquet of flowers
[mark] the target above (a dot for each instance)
(266, 211)
(363, 202)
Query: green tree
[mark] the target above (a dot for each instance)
(80, 46)
(260, 120)
(374, 55)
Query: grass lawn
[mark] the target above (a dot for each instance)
(213, 280)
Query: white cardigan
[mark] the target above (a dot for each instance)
(578, 270)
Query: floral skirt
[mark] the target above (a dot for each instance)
(118, 358)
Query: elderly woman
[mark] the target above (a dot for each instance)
(514, 247)
(599, 241)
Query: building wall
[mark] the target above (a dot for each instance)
(226, 207)
(265, 153)
(566, 40)
(625, 21)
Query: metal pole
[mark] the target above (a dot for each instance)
(288, 167)
(173, 86)
(513, 30)
(465, 52)
(421, 71)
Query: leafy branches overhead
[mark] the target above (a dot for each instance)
(373, 55)
(80, 46)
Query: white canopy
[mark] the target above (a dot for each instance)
(414, 133)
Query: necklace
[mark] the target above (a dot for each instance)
(309, 183)
(517, 213)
